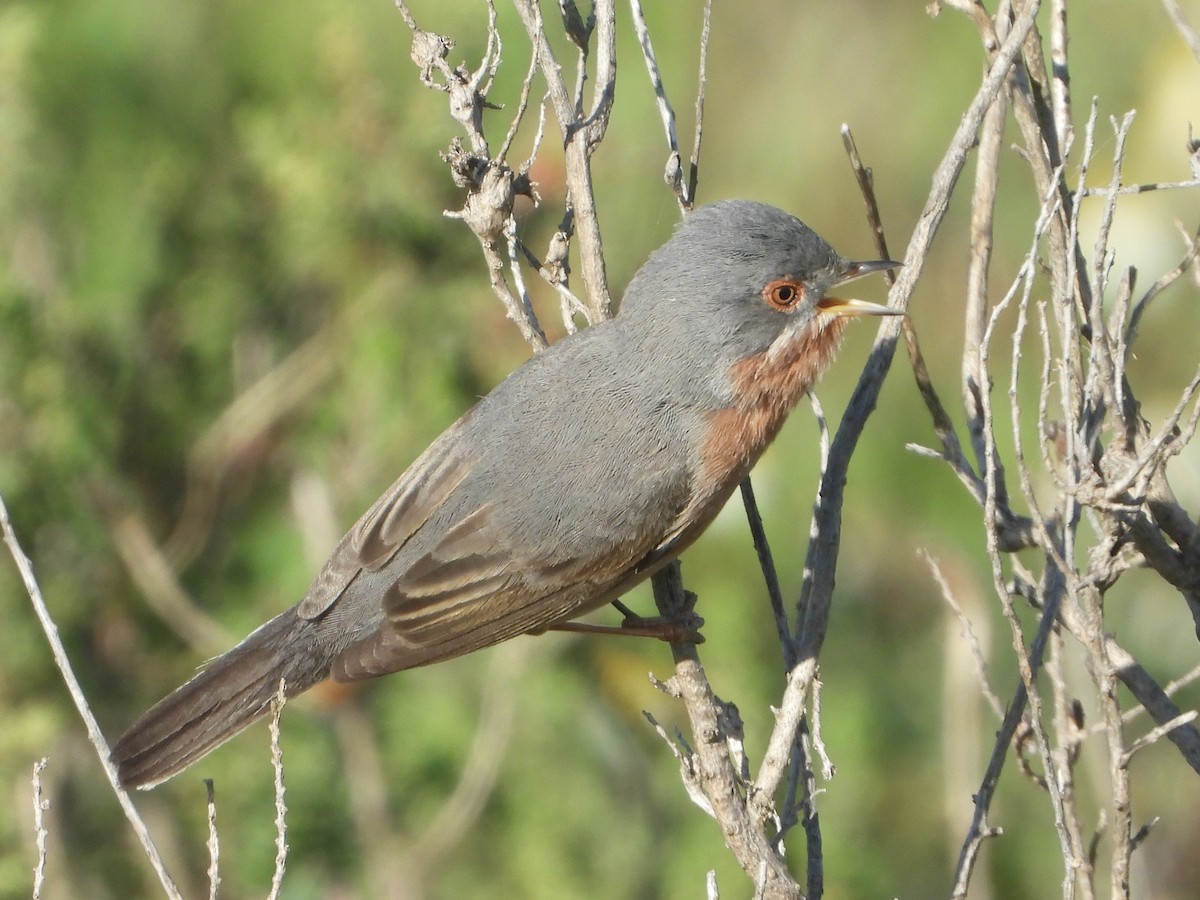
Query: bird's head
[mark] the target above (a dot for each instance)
(746, 278)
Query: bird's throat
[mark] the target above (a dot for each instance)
(766, 387)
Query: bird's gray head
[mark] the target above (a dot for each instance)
(738, 275)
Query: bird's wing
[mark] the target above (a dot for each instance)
(390, 523)
(476, 588)
(415, 597)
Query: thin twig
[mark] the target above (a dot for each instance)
(214, 845)
(674, 169)
(1068, 729)
(1168, 689)
(1029, 659)
(40, 834)
(281, 844)
(767, 564)
(968, 633)
(826, 529)
(1156, 733)
(581, 136)
(1189, 34)
(1060, 79)
(1146, 188)
(571, 303)
(828, 769)
(1169, 278)
(701, 89)
(519, 115)
(25, 567)
(983, 211)
(825, 533)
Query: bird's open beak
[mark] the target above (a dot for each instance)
(859, 269)
(836, 306)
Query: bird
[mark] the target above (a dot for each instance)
(588, 469)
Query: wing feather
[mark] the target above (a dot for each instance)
(456, 599)
(393, 519)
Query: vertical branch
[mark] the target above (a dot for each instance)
(814, 842)
(1068, 729)
(824, 536)
(701, 88)
(281, 844)
(767, 564)
(1099, 468)
(983, 209)
(1051, 592)
(581, 135)
(40, 805)
(1122, 812)
(1060, 73)
(214, 844)
(1041, 144)
(740, 808)
(1100, 399)
(1057, 576)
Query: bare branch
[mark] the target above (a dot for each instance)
(281, 844)
(1156, 734)
(40, 805)
(581, 135)
(25, 567)
(214, 844)
(765, 561)
(740, 812)
(1165, 281)
(1060, 83)
(826, 530)
(674, 169)
(1189, 34)
(983, 208)
(1127, 189)
(701, 89)
(968, 633)
(519, 116)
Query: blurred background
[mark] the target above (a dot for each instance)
(231, 313)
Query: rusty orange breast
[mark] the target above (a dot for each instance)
(766, 387)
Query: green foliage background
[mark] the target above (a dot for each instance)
(190, 192)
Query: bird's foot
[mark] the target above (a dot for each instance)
(681, 625)
(684, 629)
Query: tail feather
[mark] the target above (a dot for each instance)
(231, 693)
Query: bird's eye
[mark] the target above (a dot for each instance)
(783, 294)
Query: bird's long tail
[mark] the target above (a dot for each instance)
(230, 693)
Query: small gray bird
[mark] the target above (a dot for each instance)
(587, 470)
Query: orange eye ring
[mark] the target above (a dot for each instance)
(783, 294)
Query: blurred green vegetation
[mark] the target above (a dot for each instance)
(191, 192)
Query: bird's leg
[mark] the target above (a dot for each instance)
(682, 628)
